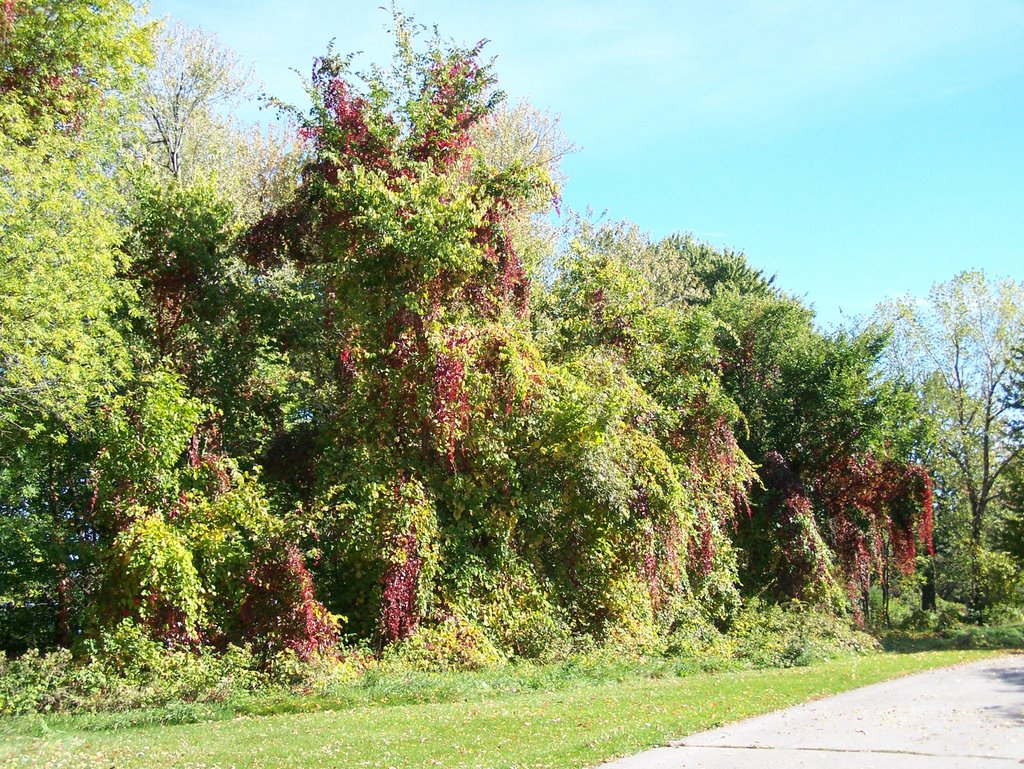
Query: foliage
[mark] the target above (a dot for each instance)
(788, 636)
(65, 74)
(63, 70)
(836, 443)
(957, 350)
(446, 438)
(280, 611)
(956, 636)
(449, 645)
(1009, 533)
(262, 392)
(813, 407)
(66, 66)
(126, 669)
(688, 474)
(186, 100)
(179, 238)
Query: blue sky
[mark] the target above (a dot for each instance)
(857, 150)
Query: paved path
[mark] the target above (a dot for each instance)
(970, 716)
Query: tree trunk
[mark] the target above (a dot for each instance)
(977, 597)
(62, 628)
(928, 598)
(63, 607)
(886, 591)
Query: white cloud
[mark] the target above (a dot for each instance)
(666, 67)
(729, 62)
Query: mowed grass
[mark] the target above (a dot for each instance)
(577, 726)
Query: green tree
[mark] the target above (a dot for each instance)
(685, 479)
(813, 408)
(524, 136)
(1009, 537)
(417, 298)
(957, 347)
(188, 97)
(66, 69)
(843, 500)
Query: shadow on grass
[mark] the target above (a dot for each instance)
(1008, 637)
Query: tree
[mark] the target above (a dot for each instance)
(417, 297)
(65, 70)
(206, 177)
(460, 468)
(684, 270)
(957, 347)
(187, 98)
(832, 439)
(66, 73)
(1010, 531)
(193, 76)
(814, 410)
(526, 137)
(686, 479)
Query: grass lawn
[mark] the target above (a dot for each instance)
(575, 726)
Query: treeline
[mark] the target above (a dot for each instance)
(347, 381)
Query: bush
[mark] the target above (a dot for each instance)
(453, 644)
(947, 616)
(1002, 586)
(695, 636)
(320, 673)
(43, 683)
(1008, 637)
(770, 635)
(124, 670)
(516, 613)
(538, 635)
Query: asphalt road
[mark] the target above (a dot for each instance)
(969, 716)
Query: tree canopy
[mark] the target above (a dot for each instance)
(347, 381)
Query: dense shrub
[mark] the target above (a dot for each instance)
(450, 645)
(770, 635)
(126, 670)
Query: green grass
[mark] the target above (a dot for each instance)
(570, 726)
